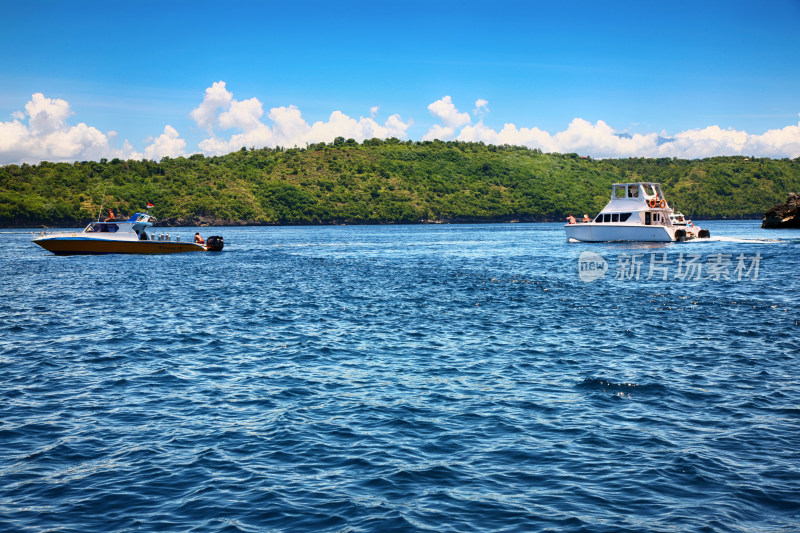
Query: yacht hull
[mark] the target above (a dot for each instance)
(599, 232)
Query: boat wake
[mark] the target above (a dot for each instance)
(746, 240)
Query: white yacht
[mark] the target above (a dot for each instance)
(636, 212)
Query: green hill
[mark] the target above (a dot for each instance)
(381, 181)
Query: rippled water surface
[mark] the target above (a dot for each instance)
(403, 378)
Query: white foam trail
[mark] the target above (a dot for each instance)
(745, 240)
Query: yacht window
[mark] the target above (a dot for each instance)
(633, 191)
(619, 192)
(647, 218)
(599, 218)
(615, 217)
(624, 216)
(606, 218)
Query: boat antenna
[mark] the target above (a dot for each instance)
(102, 200)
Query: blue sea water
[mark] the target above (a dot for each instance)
(403, 378)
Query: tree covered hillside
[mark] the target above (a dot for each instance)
(381, 181)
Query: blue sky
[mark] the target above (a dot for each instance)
(608, 79)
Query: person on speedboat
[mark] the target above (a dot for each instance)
(571, 220)
(110, 216)
(198, 238)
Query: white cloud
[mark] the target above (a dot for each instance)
(510, 134)
(244, 115)
(778, 143)
(46, 114)
(168, 144)
(48, 137)
(713, 140)
(447, 112)
(340, 125)
(397, 128)
(451, 118)
(601, 140)
(437, 131)
(481, 107)
(42, 132)
(257, 137)
(13, 137)
(288, 128)
(216, 97)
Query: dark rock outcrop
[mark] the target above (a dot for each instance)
(782, 216)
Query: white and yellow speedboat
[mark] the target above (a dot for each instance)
(129, 237)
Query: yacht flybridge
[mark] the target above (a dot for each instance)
(636, 212)
(128, 237)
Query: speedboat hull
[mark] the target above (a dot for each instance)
(83, 246)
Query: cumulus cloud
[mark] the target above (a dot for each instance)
(168, 144)
(286, 125)
(46, 114)
(451, 118)
(42, 132)
(291, 129)
(216, 98)
(244, 115)
(48, 137)
(778, 143)
(481, 107)
(602, 141)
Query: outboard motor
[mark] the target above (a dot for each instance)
(680, 235)
(704, 234)
(214, 243)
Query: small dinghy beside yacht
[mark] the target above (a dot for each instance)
(128, 237)
(636, 212)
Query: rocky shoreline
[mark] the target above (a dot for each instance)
(785, 215)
